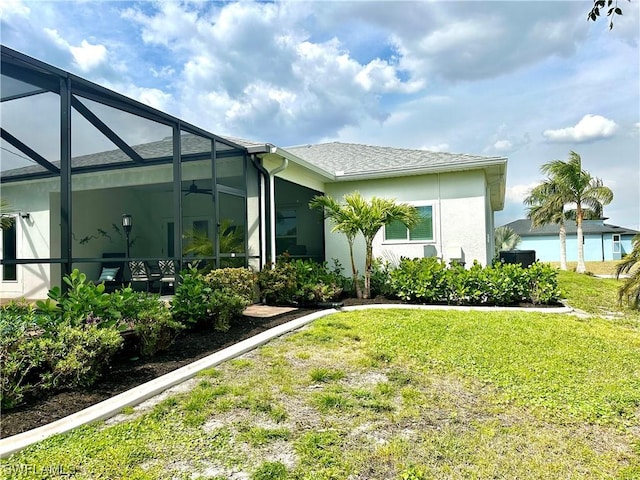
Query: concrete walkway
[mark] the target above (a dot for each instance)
(114, 405)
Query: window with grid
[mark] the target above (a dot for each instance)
(423, 231)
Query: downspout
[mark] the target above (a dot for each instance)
(272, 209)
(264, 207)
(440, 219)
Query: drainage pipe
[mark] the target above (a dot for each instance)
(272, 209)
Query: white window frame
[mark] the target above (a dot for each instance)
(407, 240)
(617, 243)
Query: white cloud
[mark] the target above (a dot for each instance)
(86, 57)
(440, 147)
(13, 8)
(502, 145)
(590, 127)
(517, 193)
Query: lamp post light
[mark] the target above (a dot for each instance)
(127, 223)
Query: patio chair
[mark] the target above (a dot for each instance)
(112, 272)
(140, 272)
(167, 273)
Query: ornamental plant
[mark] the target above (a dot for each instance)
(300, 282)
(208, 300)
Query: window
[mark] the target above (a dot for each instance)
(616, 243)
(9, 251)
(423, 231)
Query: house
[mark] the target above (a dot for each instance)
(601, 240)
(190, 195)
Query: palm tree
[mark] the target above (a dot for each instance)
(374, 215)
(630, 290)
(578, 187)
(505, 239)
(546, 205)
(345, 221)
(367, 217)
(6, 221)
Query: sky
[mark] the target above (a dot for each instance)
(528, 80)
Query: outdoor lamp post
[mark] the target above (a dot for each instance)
(127, 223)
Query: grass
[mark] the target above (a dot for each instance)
(597, 296)
(607, 267)
(393, 394)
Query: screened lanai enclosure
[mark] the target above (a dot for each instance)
(88, 175)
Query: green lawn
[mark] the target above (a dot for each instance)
(392, 394)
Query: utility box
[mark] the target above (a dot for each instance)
(523, 257)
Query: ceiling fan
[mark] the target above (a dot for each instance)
(193, 188)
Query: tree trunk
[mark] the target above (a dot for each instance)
(563, 247)
(580, 239)
(367, 268)
(354, 272)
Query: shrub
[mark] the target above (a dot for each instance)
(76, 356)
(427, 280)
(241, 281)
(151, 320)
(421, 280)
(199, 302)
(278, 283)
(20, 328)
(381, 278)
(83, 300)
(190, 302)
(299, 282)
(34, 360)
(468, 287)
(543, 284)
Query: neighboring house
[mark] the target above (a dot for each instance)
(184, 187)
(601, 240)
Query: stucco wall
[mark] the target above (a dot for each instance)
(459, 211)
(33, 237)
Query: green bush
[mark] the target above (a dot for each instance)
(278, 283)
(428, 280)
(241, 281)
(76, 356)
(82, 301)
(468, 287)
(205, 300)
(37, 355)
(380, 278)
(20, 362)
(150, 318)
(543, 284)
(191, 300)
(299, 282)
(420, 280)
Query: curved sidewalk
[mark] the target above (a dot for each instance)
(114, 405)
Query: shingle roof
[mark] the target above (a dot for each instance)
(523, 228)
(342, 159)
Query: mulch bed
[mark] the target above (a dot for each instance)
(125, 373)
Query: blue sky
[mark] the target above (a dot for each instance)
(527, 80)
